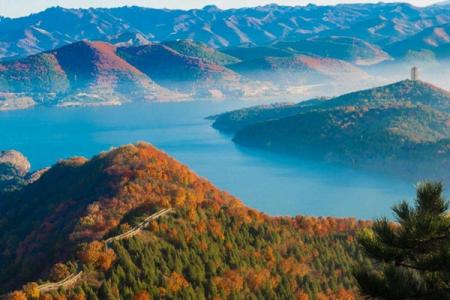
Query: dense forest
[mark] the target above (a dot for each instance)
(404, 125)
(211, 246)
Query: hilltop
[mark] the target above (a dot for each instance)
(405, 124)
(211, 245)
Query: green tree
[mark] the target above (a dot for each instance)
(413, 255)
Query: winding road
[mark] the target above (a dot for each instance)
(139, 227)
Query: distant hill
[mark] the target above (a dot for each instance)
(381, 24)
(400, 22)
(199, 50)
(211, 245)
(300, 69)
(127, 39)
(433, 39)
(174, 70)
(85, 72)
(338, 47)
(252, 53)
(406, 124)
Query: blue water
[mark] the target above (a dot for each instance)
(271, 183)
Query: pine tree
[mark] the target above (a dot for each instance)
(413, 255)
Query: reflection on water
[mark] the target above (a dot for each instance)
(272, 183)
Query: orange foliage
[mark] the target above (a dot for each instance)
(17, 295)
(216, 229)
(344, 294)
(256, 279)
(292, 267)
(230, 281)
(176, 282)
(79, 296)
(96, 254)
(142, 295)
(32, 290)
(302, 296)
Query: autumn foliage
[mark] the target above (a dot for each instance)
(95, 253)
(211, 246)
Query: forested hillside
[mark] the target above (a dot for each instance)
(405, 124)
(210, 246)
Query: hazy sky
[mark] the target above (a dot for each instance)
(14, 8)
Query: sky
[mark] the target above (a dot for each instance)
(17, 8)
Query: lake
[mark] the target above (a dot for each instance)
(271, 183)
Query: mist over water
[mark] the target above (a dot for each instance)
(271, 183)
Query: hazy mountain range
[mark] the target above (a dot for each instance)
(99, 73)
(111, 56)
(382, 24)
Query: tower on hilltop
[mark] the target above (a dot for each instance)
(414, 73)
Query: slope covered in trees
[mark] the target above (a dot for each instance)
(213, 246)
(406, 123)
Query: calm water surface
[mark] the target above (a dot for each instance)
(274, 184)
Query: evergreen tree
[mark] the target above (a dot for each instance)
(412, 255)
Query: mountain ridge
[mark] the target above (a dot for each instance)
(256, 26)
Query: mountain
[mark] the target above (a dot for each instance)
(83, 72)
(381, 24)
(252, 53)
(174, 70)
(338, 47)
(396, 23)
(127, 39)
(300, 69)
(201, 51)
(434, 39)
(404, 124)
(209, 244)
